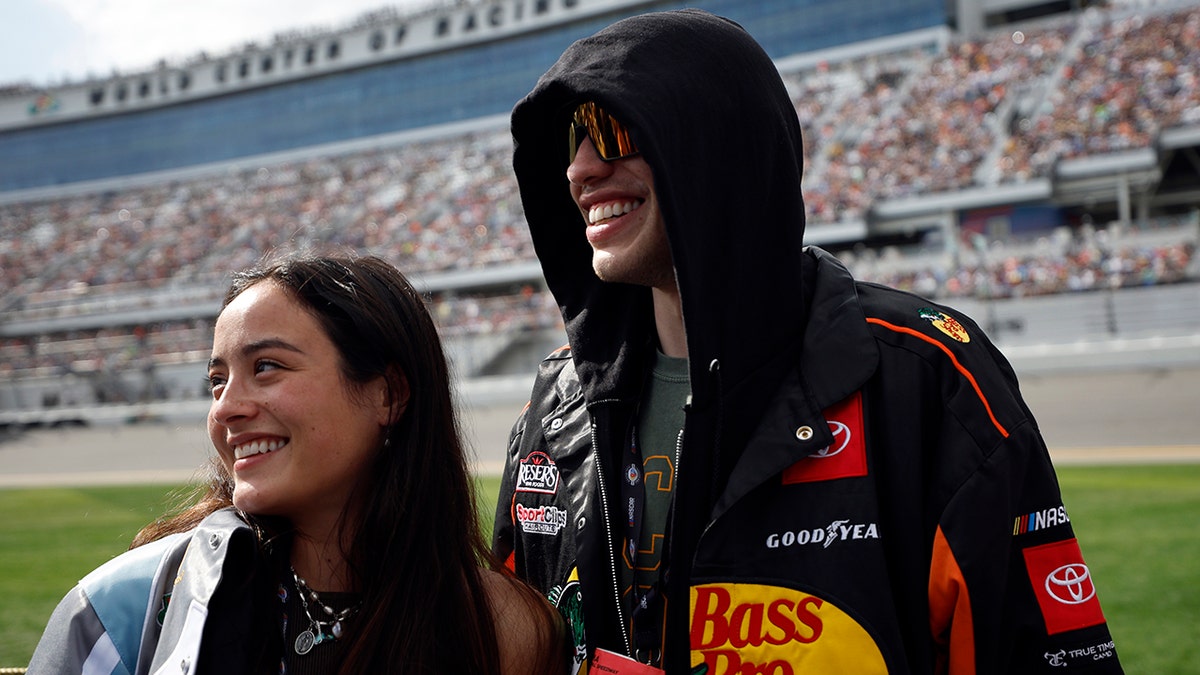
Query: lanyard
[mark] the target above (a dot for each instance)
(647, 606)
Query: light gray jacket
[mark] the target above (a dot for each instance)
(145, 610)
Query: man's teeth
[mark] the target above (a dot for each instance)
(599, 213)
(258, 447)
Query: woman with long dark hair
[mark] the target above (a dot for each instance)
(339, 532)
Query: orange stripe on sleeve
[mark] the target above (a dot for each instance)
(953, 359)
(950, 620)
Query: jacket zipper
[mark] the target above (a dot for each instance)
(678, 454)
(608, 539)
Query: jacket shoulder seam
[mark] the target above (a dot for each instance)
(954, 361)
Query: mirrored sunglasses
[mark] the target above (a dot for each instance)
(610, 137)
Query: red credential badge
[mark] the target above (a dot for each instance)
(611, 663)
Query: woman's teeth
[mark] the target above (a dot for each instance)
(258, 447)
(611, 210)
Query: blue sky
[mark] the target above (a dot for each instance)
(44, 41)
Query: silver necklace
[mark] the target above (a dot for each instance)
(315, 633)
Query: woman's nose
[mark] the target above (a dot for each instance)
(231, 403)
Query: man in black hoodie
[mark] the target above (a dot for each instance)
(745, 461)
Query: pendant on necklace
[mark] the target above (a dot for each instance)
(305, 642)
(337, 630)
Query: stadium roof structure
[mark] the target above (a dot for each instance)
(388, 73)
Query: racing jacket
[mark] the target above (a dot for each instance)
(147, 610)
(894, 511)
(859, 486)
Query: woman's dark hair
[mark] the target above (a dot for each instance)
(416, 549)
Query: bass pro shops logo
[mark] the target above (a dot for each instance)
(947, 324)
(537, 473)
(772, 630)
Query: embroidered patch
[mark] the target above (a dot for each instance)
(568, 599)
(846, 457)
(1040, 520)
(754, 628)
(540, 519)
(1081, 656)
(840, 530)
(537, 473)
(1063, 586)
(632, 474)
(945, 323)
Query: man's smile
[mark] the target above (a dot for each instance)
(602, 212)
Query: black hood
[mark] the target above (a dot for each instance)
(708, 111)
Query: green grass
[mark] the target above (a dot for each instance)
(1136, 525)
(50, 538)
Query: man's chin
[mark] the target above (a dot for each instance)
(608, 268)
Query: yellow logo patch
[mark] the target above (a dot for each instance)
(945, 323)
(771, 630)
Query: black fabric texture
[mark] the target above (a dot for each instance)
(708, 111)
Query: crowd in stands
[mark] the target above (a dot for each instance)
(1085, 260)
(1128, 79)
(935, 135)
(433, 206)
(1063, 262)
(838, 105)
(527, 309)
(99, 350)
(106, 350)
(1001, 107)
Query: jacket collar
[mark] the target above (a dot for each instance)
(839, 354)
(837, 358)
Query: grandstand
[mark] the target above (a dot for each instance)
(1035, 164)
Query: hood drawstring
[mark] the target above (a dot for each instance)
(718, 469)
